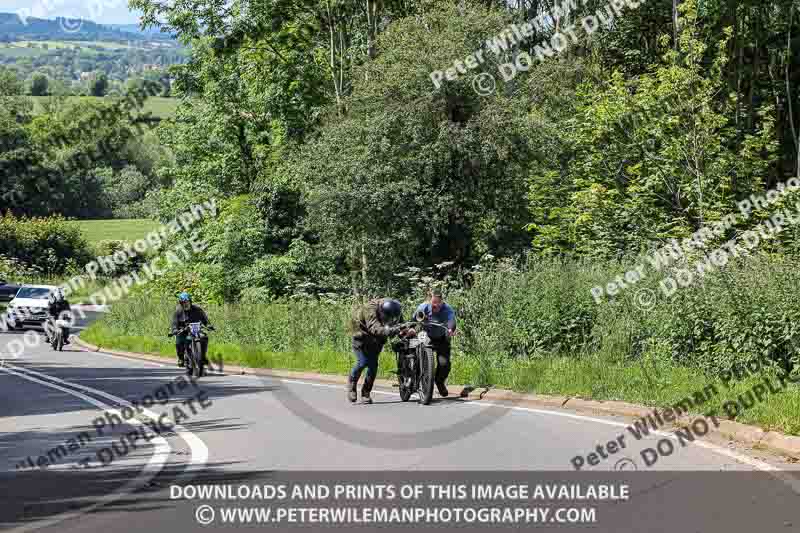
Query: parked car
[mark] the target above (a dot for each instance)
(7, 291)
(29, 306)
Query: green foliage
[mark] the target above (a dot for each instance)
(411, 177)
(52, 243)
(14, 270)
(652, 158)
(39, 85)
(207, 283)
(107, 248)
(98, 87)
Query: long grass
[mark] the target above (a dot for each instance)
(536, 329)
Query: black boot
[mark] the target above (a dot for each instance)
(366, 389)
(351, 390)
(442, 389)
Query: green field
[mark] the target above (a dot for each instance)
(117, 229)
(160, 107)
(38, 47)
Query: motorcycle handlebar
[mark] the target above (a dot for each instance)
(186, 328)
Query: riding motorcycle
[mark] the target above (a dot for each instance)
(195, 364)
(58, 334)
(415, 359)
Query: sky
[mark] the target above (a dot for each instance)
(100, 11)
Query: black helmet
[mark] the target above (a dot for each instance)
(392, 310)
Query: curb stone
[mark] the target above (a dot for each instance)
(752, 436)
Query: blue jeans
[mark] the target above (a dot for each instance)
(368, 361)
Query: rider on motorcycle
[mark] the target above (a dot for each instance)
(186, 313)
(437, 310)
(57, 307)
(372, 324)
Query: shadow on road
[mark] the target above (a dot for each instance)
(30, 497)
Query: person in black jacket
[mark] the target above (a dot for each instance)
(371, 324)
(58, 308)
(185, 314)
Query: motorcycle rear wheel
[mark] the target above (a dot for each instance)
(426, 376)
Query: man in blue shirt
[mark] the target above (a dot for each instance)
(439, 311)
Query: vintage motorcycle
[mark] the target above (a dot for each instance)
(195, 364)
(415, 359)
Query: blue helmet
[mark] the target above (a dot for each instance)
(184, 297)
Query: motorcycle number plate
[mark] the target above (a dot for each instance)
(195, 328)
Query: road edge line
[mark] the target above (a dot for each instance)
(753, 436)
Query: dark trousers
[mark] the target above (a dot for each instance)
(442, 349)
(364, 360)
(182, 344)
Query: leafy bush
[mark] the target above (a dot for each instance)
(207, 283)
(51, 243)
(109, 247)
(14, 270)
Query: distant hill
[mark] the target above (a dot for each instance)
(134, 28)
(13, 28)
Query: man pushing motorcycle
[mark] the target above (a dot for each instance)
(372, 324)
(437, 310)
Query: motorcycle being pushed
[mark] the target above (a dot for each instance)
(415, 359)
(193, 356)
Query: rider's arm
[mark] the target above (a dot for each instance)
(175, 322)
(204, 317)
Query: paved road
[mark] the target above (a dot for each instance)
(245, 430)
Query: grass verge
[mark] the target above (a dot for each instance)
(588, 377)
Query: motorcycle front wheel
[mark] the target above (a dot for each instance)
(188, 357)
(60, 341)
(426, 376)
(197, 357)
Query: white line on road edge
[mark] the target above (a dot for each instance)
(150, 470)
(198, 448)
(754, 463)
(793, 482)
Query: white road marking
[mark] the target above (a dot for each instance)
(197, 446)
(150, 470)
(754, 463)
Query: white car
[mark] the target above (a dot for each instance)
(29, 306)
